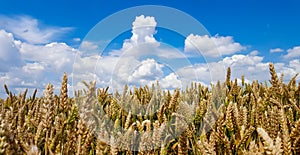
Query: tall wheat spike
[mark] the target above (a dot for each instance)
(274, 80)
(182, 144)
(285, 134)
(3, 142)
(64, 94)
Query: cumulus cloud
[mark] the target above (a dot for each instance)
(143, 30)
(293, 52)
(242, 60)
(142, 41)
(252, 67)
(88, 46)
(31, 30)
(101, 69)
(171, 81)
(295, 65)
(56, 56)
(123, 65)
(9, 52)
(276, 50)
(205, 73)
(33, 68)
(212, 46)
(25, 65)
(148, 69)
(132, 64)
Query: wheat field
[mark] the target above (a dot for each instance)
(228, 118)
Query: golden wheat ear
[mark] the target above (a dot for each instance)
(276, 84)
(63, 104)
(3, 138)
(285, 134)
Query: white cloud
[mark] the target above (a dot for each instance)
(89, 68)
(142, 42)
(88, 46)
(148, 69)
(31, 30)
(143, 30)
(242, 60)
(171, 81)
(254, 53)
(276, 50)
(24, 65)
(9, 52)
(212, 46)
(124, 65)
(203, 72)
(252, 67)
(56, 56)
(293, 52)
(33, 68)
(295, 64)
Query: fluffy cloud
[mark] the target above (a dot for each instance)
(242, 60)
(142, 41)
(295, 65)
(212, 46)
(171, 81)
(203, 72)
(31, 30)
(293, 52)
(56, 56)
(124, 65)
(33, 68)
(143, 29)
(252, 67)
(9, 53)
(88, 46)
(148, 69)
(25, 65)
(132, 64)
(103, 70)
(276, 50)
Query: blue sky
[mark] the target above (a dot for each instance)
(257, 23)
(253, 33)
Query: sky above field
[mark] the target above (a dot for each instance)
(170, 41)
